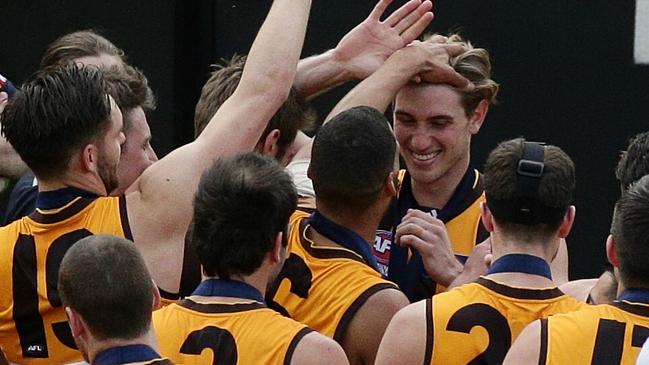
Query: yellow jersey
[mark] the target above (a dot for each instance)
(33, 324)
(242, 333)
(322, 287)
(597, 335)
(477, 322)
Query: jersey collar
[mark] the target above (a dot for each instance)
(54, 199)
(126, 354)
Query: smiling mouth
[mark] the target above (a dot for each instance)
(425, 157)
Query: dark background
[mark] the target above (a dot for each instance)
(565, 67)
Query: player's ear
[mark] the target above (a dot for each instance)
(568, 220)
(478, 116)
(89, 158)
(487, 218)
(77, 325)
(391, 183)
(611, 251)
(269, 144)
(277, 253)
(157, 299)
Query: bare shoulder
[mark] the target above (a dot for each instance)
(527, 347)
(579, 289)
(380, 307)
(316, 349)
(363, 335)
(406, 338)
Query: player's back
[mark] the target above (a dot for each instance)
(596, 335)
(236, 332)
(33, 324)
(322, 287)
(479, 321)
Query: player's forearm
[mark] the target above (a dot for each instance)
(319, 73)
(377, 91)
(266, 80)
(272, 60)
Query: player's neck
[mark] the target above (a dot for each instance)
(505, 246)
(258, 280)
(363, 224)
(439, 192)
(506, 242)
(85, 182)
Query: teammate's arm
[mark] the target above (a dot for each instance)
(419, 61)
(527, 347)
(160, 201)
(363, 335)
(364, 49)
(317, 349)
(378, 90)
(404, 341)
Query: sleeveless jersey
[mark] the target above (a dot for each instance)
(601, 334)
(233, 333)
(461, 215)
(477, 322)
(322, 287)
(33, 325)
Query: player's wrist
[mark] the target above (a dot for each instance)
(452, 270)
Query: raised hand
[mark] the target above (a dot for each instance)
(428, 235)
(428, 61)
(364, 49)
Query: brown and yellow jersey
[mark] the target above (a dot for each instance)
(33, 325)
(240, 332)
(597, 335)
(322, 286)
(477, 322)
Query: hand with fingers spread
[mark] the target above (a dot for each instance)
(366, 47)
(422, 232)
(429, 61)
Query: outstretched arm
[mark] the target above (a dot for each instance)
(421, 61)
(160, 201)
(364, 49)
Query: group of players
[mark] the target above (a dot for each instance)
(256, 244)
